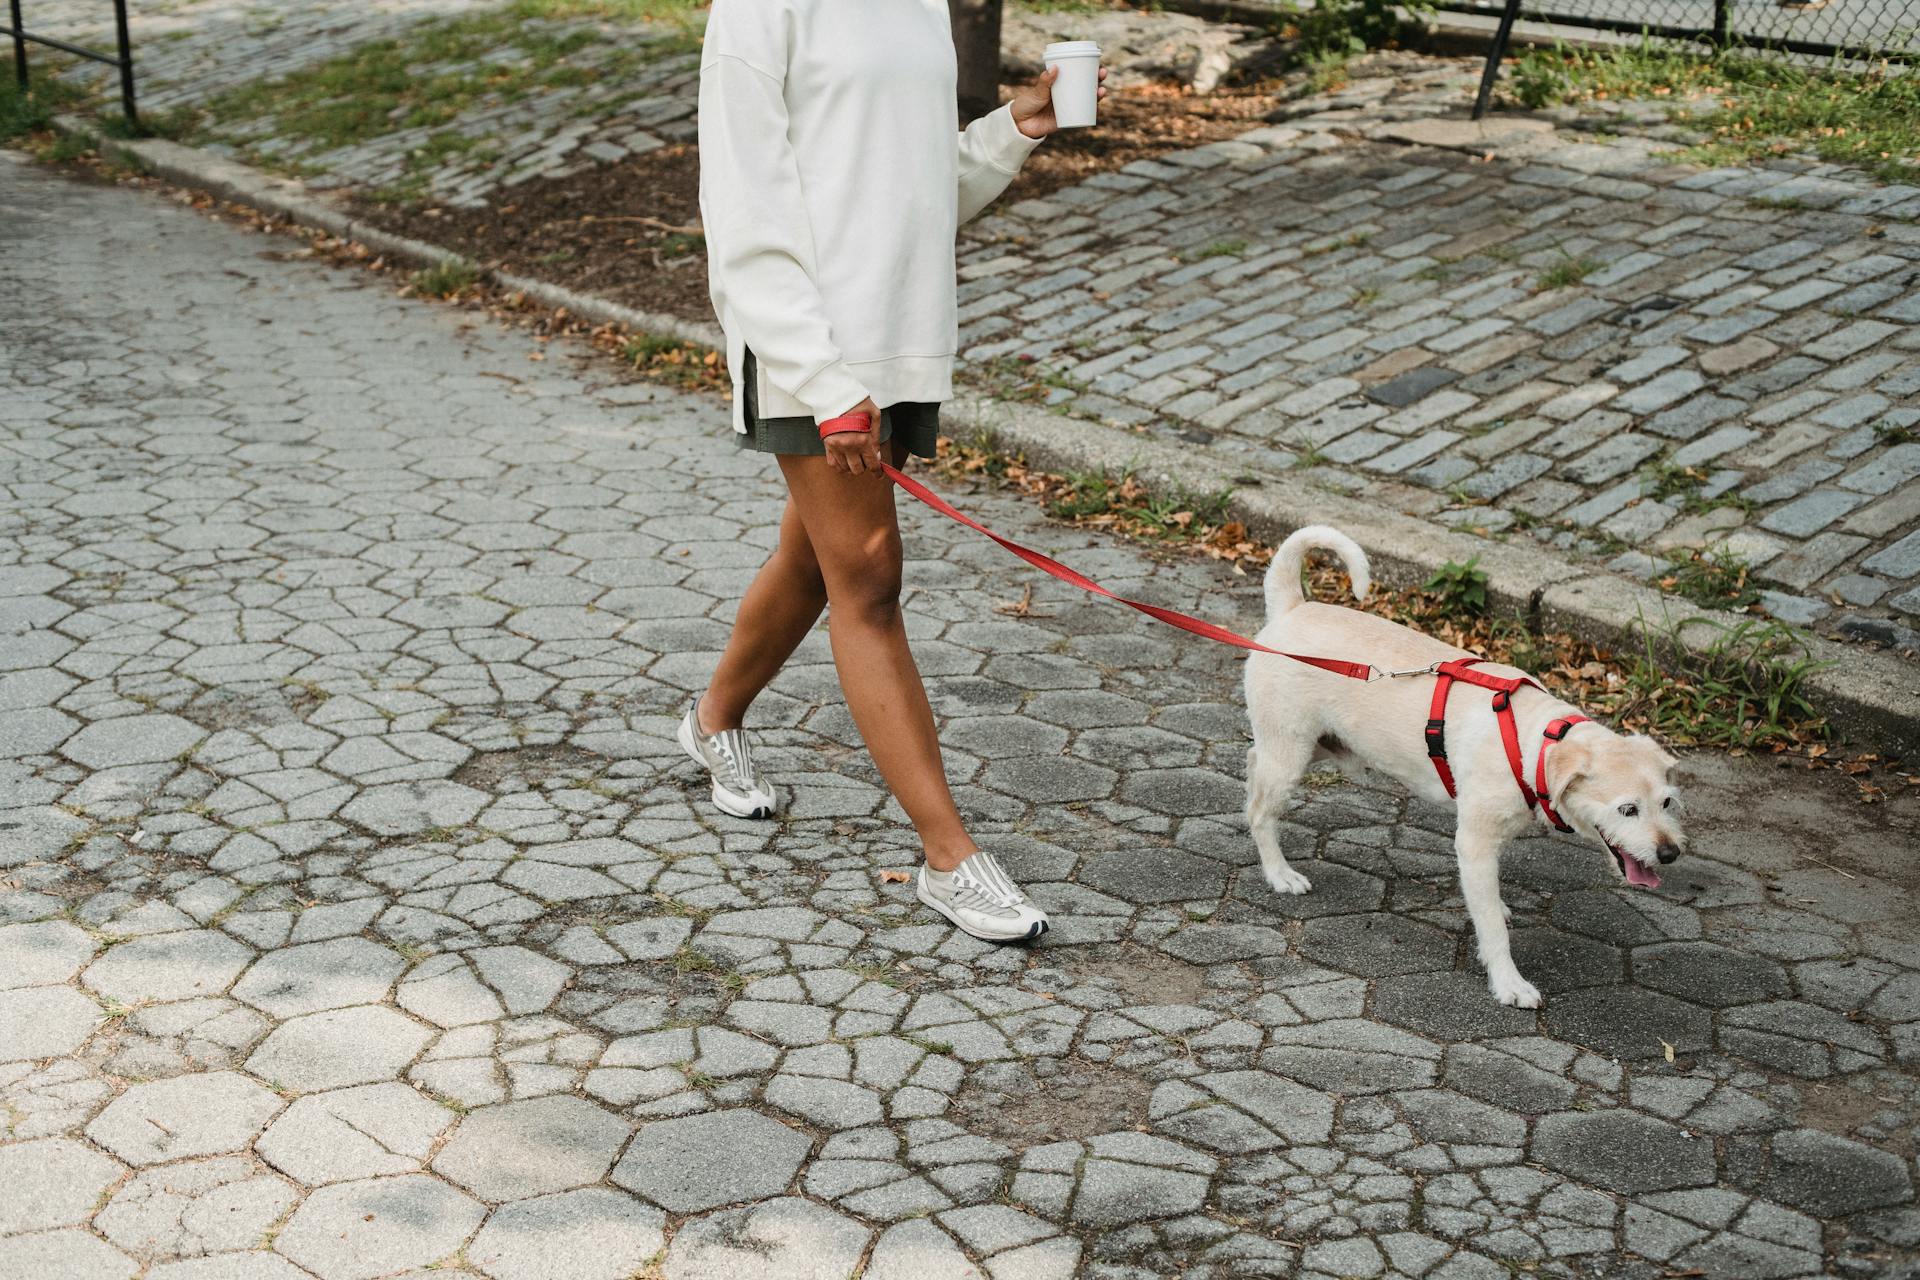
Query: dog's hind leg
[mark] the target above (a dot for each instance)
(1477, 842)
(1273, 771)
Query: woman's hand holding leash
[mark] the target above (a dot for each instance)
(1033, 105)
(853, 439)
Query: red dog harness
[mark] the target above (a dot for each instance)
(1504, 687)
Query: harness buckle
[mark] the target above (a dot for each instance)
(1436, 735)
(1502, 699)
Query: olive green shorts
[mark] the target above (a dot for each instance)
(914, 423)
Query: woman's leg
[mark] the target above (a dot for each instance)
(778, 610)
(855, 536)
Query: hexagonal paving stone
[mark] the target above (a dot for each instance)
(1704, 973)
(378, 1227)
(124, 740)
(590, 1234)
(33, 955)
(44, 1022)
(339, 1047)
(68, 1254)
(1377, 944)
(196, 1207)
(1154, 875)
(1337, 890)
(723, 1157)
(1830, 1176)
(1448, 1006)
(1185, 792)
(362, 1132)
(1628, 1024)
(320, 975)
(784, 1239)
(54, 1182)
(408, 808)
(1623, 1151)
(168, 966)
(196, 1115)
(529, 1148)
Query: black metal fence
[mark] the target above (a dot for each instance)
(121, 62)
(1847, 28)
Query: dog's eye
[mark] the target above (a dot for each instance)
(1629, 810)
(1667, 803)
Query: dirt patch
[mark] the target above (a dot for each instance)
(1030, 1104)
(628, 231)
(218, 709)
(531, 766)
(1144, 976)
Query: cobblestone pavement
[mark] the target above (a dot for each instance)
(1548, 339)
(360, 917)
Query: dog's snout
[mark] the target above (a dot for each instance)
(1667, 851)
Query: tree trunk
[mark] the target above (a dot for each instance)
(976, 42)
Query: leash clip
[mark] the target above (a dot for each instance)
(1432, 668)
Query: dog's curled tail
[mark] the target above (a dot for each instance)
(1283, 575)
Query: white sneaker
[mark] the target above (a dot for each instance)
(737, 789)
(982, 899)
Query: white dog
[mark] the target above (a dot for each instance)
(1616, 789)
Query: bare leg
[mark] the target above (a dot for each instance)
(779, 609)
(1477, 844)
(855, 535)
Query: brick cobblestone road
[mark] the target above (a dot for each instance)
(359, 918)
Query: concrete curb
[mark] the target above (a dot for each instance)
(1872, 699)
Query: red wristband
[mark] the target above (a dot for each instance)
(845, 422)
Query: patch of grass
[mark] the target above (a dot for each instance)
(1889, 433)
(1751, 105)
(1716, 578)
(33, 111)
(1459, 590)
(1746, 687)
(434, 74)
(1684, 488)
(1568, 271)
(63, 148)
(1223, 249)
(445, 279)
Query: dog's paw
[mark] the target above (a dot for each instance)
(1288, 881)
(1516, 991)
(1506, 913)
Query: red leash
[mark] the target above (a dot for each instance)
(1172, 617)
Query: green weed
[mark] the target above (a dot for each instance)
(1745, 688)
(1459, 590)
(1716, 578)
(1568, 271)
(445, 278)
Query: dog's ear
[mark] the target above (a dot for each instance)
(1570, 760)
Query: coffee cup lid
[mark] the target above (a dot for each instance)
(1072, 49)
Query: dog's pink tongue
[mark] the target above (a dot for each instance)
(1639, 873)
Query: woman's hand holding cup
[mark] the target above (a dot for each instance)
(1033, 111)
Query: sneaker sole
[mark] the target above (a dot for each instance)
(1039, 927)
(723, 800)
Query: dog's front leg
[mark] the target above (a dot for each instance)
(1477, 843)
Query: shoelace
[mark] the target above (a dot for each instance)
(981, 876)
(731, 746)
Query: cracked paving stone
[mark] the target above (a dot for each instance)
(589, 1234)
(51, 1183)
(339, 1047)
(783, 1239)
(521, 1149)
(697, 1162)
(168, 966)
(34, 955)
(194, 1115)
(68, 1254)
(196, 1207)
(318, 976)
(361, 1132)
(1622, 1151)
(378, 1227)
(44, 1022)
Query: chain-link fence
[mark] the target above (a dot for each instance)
(1854, 27)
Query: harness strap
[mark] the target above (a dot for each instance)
(1553, 733)
(1436, 734)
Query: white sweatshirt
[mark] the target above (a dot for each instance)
(832, 185)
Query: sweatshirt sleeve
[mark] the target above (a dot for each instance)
(759, 248)
(992, 149)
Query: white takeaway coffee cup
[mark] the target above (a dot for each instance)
(1076, 94)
